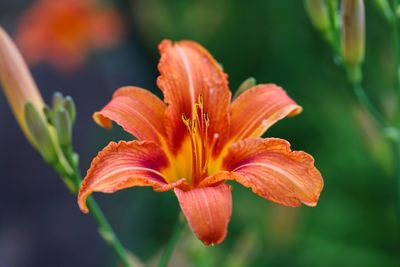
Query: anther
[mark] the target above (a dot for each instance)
(206, 119)
(187, 122)
(184, 118)
(201, 101)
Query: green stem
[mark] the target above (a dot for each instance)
(364, 100)
(77, 179)
(105, 229)
(179, 226)
(396, 153)
(396, 142)
(107, 232)
(396, 47)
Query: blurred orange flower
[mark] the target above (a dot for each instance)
(62, 32)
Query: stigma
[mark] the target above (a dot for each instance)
(197, 127)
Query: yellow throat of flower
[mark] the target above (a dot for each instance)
(196, 146)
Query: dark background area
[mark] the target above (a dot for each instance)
(354, 223)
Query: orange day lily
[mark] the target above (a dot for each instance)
(198, 139)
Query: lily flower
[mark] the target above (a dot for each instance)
(196, 140)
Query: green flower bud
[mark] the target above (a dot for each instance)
(245, 85)
(69, 105)
(353, 31)
(62, 123)
(48, 112)
(75, 159)
(318, 13)
(58, 100)
(38, 128)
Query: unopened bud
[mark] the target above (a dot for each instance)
(62, 123)
(17, 82)
(69, 105)
(318, 13)
(75, 159)
(353, 31)
(48, 113)
(39, 131)
(58, 100)
(244, 86)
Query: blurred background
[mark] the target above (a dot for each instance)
(89, 50)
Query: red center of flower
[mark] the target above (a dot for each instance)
(197, 127)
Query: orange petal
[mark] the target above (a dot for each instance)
(272, 170)
(188, 70)
(123, 165)
(257, 109)
(208, 211)
(138, 111)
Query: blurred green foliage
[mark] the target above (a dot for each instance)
(355, 221)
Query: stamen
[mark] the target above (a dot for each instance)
(194, 126)
(201, 152)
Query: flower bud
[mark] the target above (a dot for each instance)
(353, 32)
(58, 100)
(245, 85)
(48, 113)
(318, 13)
(39, 131)
(75, 159)
(17, 82)
(27, 104)
(69, 105)
(62, 123)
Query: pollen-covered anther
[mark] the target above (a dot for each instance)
(206, 119)
(187, 122)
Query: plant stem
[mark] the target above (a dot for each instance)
(396, 153)
(68, 152)
(179, 226)
(396, 141)
(104, 227)
(364, 100)
(107, 232)
(396, 47)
